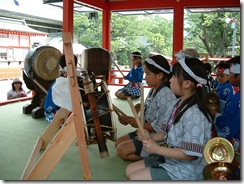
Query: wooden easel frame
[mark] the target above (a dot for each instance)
(72, 128)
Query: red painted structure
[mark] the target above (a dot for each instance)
(107, 6)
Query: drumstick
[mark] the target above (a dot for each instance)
(142, 105)
(141, 128)
(40, 86)
(118, 111)
(118, 68)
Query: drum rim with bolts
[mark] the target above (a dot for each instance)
(36, 60)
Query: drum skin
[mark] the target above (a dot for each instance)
(44, 62)
(97, 60)
(41, 65)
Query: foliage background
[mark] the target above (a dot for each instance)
(206, 32)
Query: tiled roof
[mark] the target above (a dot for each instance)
(16, 26)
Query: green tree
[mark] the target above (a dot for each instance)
(128, 33)
(88, 32)
(209, 33)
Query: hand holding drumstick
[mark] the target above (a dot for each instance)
(121, 115)
(123, 118)
(139, 123)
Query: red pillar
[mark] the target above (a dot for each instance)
(68, 16)
(178, 30)
(106, 26)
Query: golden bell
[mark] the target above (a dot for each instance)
(219, 153)
(213, 101)
(221, 171)
(218, 149)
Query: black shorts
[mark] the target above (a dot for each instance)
(137, 143)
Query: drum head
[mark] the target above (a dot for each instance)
(218, 149)
(97, 60)
(45, 62)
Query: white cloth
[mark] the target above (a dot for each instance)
(61, 93)
(16, 93)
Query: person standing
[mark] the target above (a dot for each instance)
(17, 90)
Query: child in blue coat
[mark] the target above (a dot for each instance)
(135, 77)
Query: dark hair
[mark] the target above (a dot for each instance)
(137, 53)
(235, 59)
(62, 61)
(223, 64)
(208, 67)
(161, 61)
(199, 98)
(20, 87)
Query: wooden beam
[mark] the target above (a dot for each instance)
(106, 29)
(160, 4)
(101, 4)
(76, 108)
(54, 152)
(68, 16)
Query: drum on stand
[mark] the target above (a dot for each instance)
(105, 113)
(41, 68)
(97, 60)
(44, 62)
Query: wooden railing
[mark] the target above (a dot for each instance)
(115, 78)
(15, 100)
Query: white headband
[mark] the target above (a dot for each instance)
(137, 55)
(152, 62)
(223, 70)
(181, 54)
(235, 68)
(190, 72)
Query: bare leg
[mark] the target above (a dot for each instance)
(121, 95)
(126, 150)
(122, 139)
(138, 171)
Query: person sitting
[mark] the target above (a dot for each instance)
(135, 77)
(192, 53)
(186, 128)
(227, 124)
(224, 89)
(157, 72)
(17, 91)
